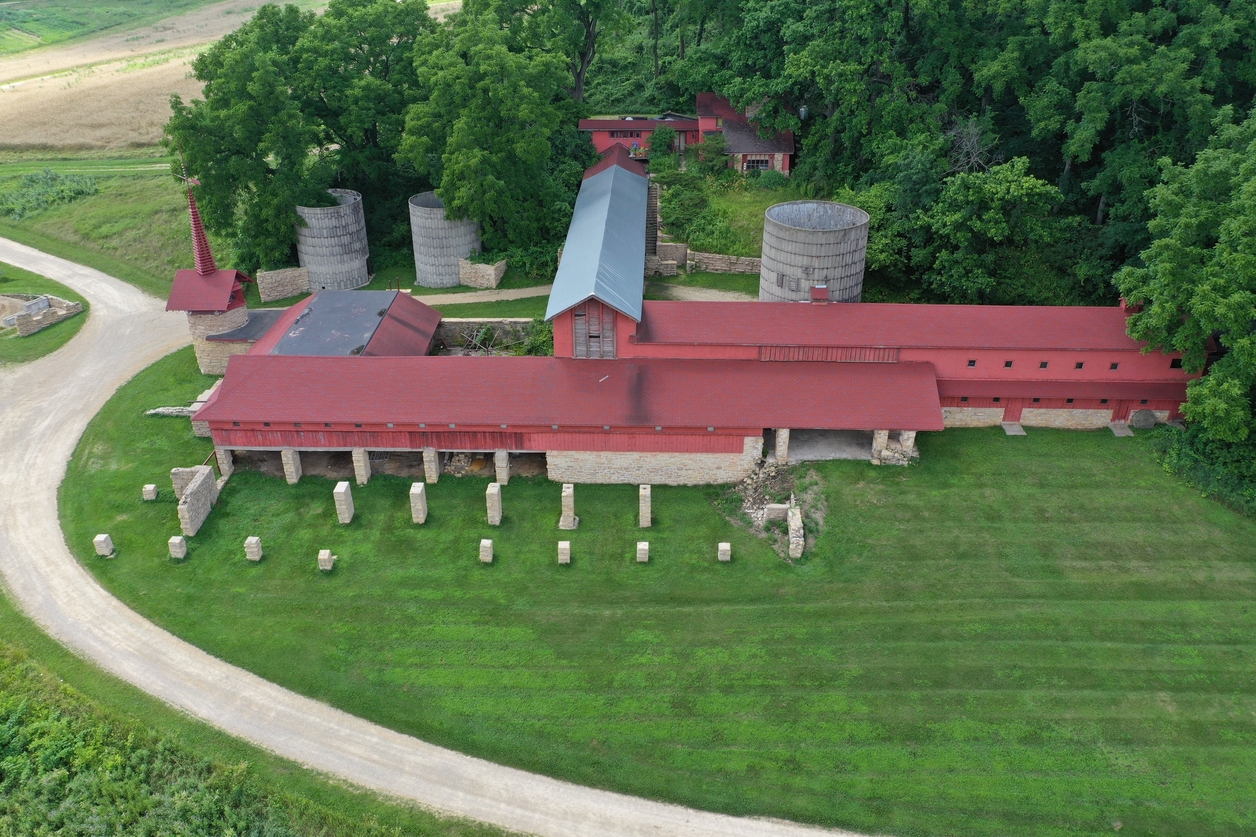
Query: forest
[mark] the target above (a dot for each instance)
(1020, 152)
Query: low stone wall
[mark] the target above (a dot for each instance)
(480, 275)
(281, 284)
(718, 263)
(972, 416)
(656, 468)
(654, 266)
(58, 310)
(198, 500)
(672, 251)
(1066, 419)
(457, 331)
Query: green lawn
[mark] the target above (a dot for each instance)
(14, 349)
(1035, 636)
(746, 205)
(746, 283)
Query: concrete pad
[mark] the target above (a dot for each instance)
(1013, 428)
(1120, 428)
(822, 445)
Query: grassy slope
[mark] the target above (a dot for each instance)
(1040, 635)
(746, 206)
(14, 349)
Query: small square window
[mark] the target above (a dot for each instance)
(1037, 400)
(327, 424)
(390, 425)
(1176, 363)
(265, 424)
(1114, 366)
(235, 424)
(296, 424)
(658, 427)
(1103, 401)
(972, 363)
(553, 427)
(1007, 364)
(1144, 401)
(357, 425)
(996, 401)
(423, 426)
(1068, 401)
(1079, 365)
(452, 425)
(1042, 365)
(606, 427)
(965, 398)
(503, 427)
(710, 429)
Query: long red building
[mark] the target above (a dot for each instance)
(676, 392)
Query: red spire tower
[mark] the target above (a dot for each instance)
(204, 257)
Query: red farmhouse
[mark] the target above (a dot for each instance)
(678, 392)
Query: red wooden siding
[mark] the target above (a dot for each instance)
(848, 354)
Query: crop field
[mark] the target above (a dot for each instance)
(1044, 635)
(28, 24)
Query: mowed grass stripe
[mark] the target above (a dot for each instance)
(1079, 654)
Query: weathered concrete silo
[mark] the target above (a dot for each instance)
(439, 242)
(332, 245)
(813, 243)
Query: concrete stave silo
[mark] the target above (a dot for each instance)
(813, 243)
(438, 242)
(332, 244)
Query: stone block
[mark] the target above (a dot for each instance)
(431, 466)
(178, 546)
(291, 465)
(253, 548)
(643, 552)
(104, 546)
(180, 478)
(149, 492)
(226, 462)
(326, 561)
(486, 551)
(361, 466)
(568, 519)
(418, 502)
(644, 516)
(501, 464)
(797, 537)
(475, 275)
(725, 552)
(564, 552)
(343, 495)
(281, 284)
(782, 445)
(198, 500)
(493, 498)
(776, 511)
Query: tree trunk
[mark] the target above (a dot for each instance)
(682, 44)
(580, 65)
(1103, 200)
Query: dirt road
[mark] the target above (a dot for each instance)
(45, 407)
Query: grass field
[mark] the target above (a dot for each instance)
(746, 283)
(14, 349)
(745, 206)
(26, 24)
(1034, 636)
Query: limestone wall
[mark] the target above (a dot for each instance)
(480, 275)
(657, 468)
(1066, 419)
(198, 499)
(971, 416)
(672, 251)
(281, 284)
(212, 357)
(654, 266)
(718, 263)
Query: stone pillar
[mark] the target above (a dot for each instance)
(493, 497)
(644, 518)
(880, 441)
(361, 466)
(782, 445)
(501, 462)
(564, 552)
(291, 465)
(797, 537)
(178, 547)
(643, 552)
(569, 519)
(418, 502)
(431, 466)
(326, 561)
(343, 496)
(149, 492)
(725, 552)
(907, 438)
(486, 551)
(253, 548)
(104, 546)
(226, 462)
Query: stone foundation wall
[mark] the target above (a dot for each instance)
(657, 468)
(718, 263)
(1066, 419)
(971, 416)
(480, 275)
(671, 251)
(654, 266)
(212, 357)
(281, 284)
(198, 500)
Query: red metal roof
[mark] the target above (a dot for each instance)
(884, 324)
(534, 391)
(406, 330)
(713, 104)
(637, 124)
(211, 292)
(617, 155)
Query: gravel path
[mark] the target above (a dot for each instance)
(484, 296)
(45, 407)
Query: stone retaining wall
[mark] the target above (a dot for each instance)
(212, 357)
(281, 284)
(718, 263)
(480, 275)
(972, 416)
(672, 251)
(654, 266)
(198, 499)
(657, 468)
(1065, 419)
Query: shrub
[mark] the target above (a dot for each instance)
(680, 205)
(1225, 471)
(40, 190)
(769, 180)
(712, 232)
(539, 341)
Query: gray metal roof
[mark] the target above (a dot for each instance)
(604, 255)
(336, 323)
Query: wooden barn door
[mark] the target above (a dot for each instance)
(593, 330)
